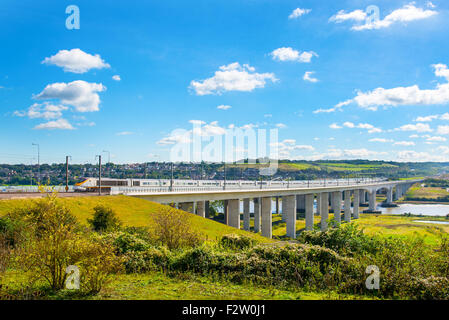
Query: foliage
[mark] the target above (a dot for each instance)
(104, 219)
(236, 242)
(173, 229)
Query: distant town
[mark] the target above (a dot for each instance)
(54, 174)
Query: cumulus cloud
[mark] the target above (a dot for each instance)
(432, 117)
(61, 124)
(308, 76)
(335, 126)
(281, 125)
(381, 140)
(116, 77)
(290, 54)
(407, 13)
(232, 77)
(44, 110)
(76, 61)
(298, 12)
(419, 127)
(341, 16)
(80, 94)
(369, 127)
(224, 107)
(443, 130)
(404, 143)
(337, 107)
(402, 96)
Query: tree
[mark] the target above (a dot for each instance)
(104, 219)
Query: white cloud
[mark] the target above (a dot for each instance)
(334, 126)
(430, 118)
(341, 16)
(308, 76)
(412, 95)
(61, 124)
(404, 143)
(124, 133)
(224, 107)
(381, 140)
(443, 130)
(366, 126)
(116, 77)
(80, 94)
(419, 127)
(337, 107)
(289, 54)
(281, 125)
(298, 12)
(413, 156)
(405, 14)
(45, 110)
(436, 139)
(76, 61)
(232, 77)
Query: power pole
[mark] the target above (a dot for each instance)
(99, 175)
(171, 178)
(224, 180)
(38, 163)
(67, 173)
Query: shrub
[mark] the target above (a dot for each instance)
(173, 229)
(125, 242)
(236, 242)
(104, 219)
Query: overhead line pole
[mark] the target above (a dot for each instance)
(99, 174)
(67, 173)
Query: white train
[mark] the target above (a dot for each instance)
(92, 184)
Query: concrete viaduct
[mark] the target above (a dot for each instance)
(344, 200)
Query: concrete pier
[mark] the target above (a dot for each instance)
(234, 213)
(372, 200)
(389, 195)
(324, 210)
(246, 214)
(348, 206)
(201, 208)
(257, 205)
(266, 217)
(300, 203)
(356, 204)
(309, 211)
(336, 205)
(289, 205)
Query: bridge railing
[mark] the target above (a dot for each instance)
(233, 186)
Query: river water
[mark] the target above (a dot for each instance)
(415, 209)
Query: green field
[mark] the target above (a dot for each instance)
(132, 212)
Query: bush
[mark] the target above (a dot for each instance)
(236, 242)
(173, 229)
(104, 219)
(125, 242)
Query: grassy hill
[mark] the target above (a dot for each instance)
(132, 212)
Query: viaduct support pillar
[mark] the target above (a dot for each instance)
(389, 195)
(324, 210)
(309, 211)
(356, 204)
(234, 213)
(201, 209)
(372, 200)
(246, 214)
(257, 207)
(289, 205)
(336, 205)
(266, 225)
(300, 203)
(348, 206)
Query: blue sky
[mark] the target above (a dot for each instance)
(337, 83)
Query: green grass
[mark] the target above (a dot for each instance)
(132, 212)
(426, 192)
